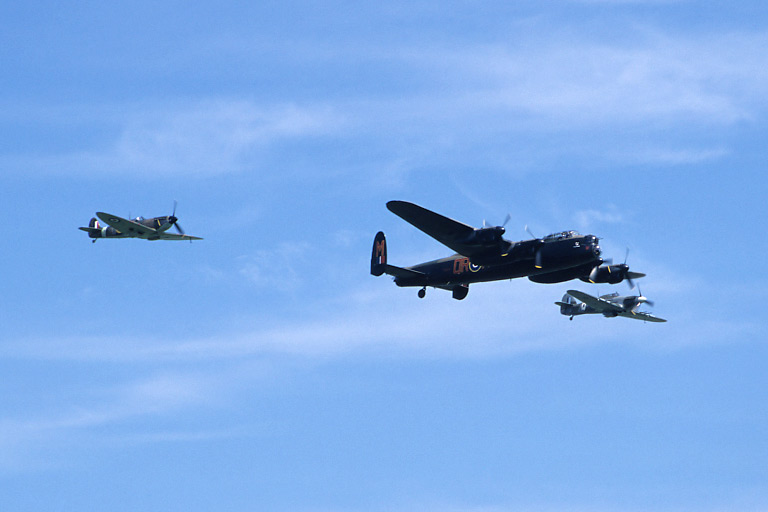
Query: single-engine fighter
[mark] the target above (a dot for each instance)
(611, 305)
(149, 229)
(482, 254)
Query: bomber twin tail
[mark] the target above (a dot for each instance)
(482, 254)
(155, 228)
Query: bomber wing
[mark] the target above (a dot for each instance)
(596, 303)
(127, 227)
(451, 233)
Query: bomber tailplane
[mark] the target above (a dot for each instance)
(379, 265)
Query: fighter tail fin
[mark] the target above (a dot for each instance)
(93, 229)
(566, 304)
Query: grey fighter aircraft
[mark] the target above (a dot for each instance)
(155, 228)
(610, 305)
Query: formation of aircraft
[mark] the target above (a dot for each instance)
(610, 305)
(483, 254)
(155, 228)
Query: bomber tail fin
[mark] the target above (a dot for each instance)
(379, 255)
(403, 276)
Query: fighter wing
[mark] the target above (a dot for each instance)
(596, 303)
(174, 236)
(448, 232)
(125, 226)
(639, 315)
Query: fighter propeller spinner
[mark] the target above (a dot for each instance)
(155, 228)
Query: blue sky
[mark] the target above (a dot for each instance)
(264, 368)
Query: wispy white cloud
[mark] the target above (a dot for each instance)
(631, 97)
(525, 83)
(588, 219)
(209, 137)
(580, 81)
(671, 157)
(384, 320)
(277, 269)
(212, 138)
(627, 2)
(27, 441)
(497, 320)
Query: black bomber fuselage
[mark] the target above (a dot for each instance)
(542, 261)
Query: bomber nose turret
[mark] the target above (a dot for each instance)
(595, 245)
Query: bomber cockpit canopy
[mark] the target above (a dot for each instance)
(561, 236)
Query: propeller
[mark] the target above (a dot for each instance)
(503, 225)
(623, 270)
(174, 220)
(504, 245)
(491, 234)
(630, 276)
(642, 298)
(607, 272)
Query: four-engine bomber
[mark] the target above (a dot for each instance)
(483, 254)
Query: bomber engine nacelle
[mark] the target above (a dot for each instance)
(485, 235)
(492, 239)
(612, 274)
